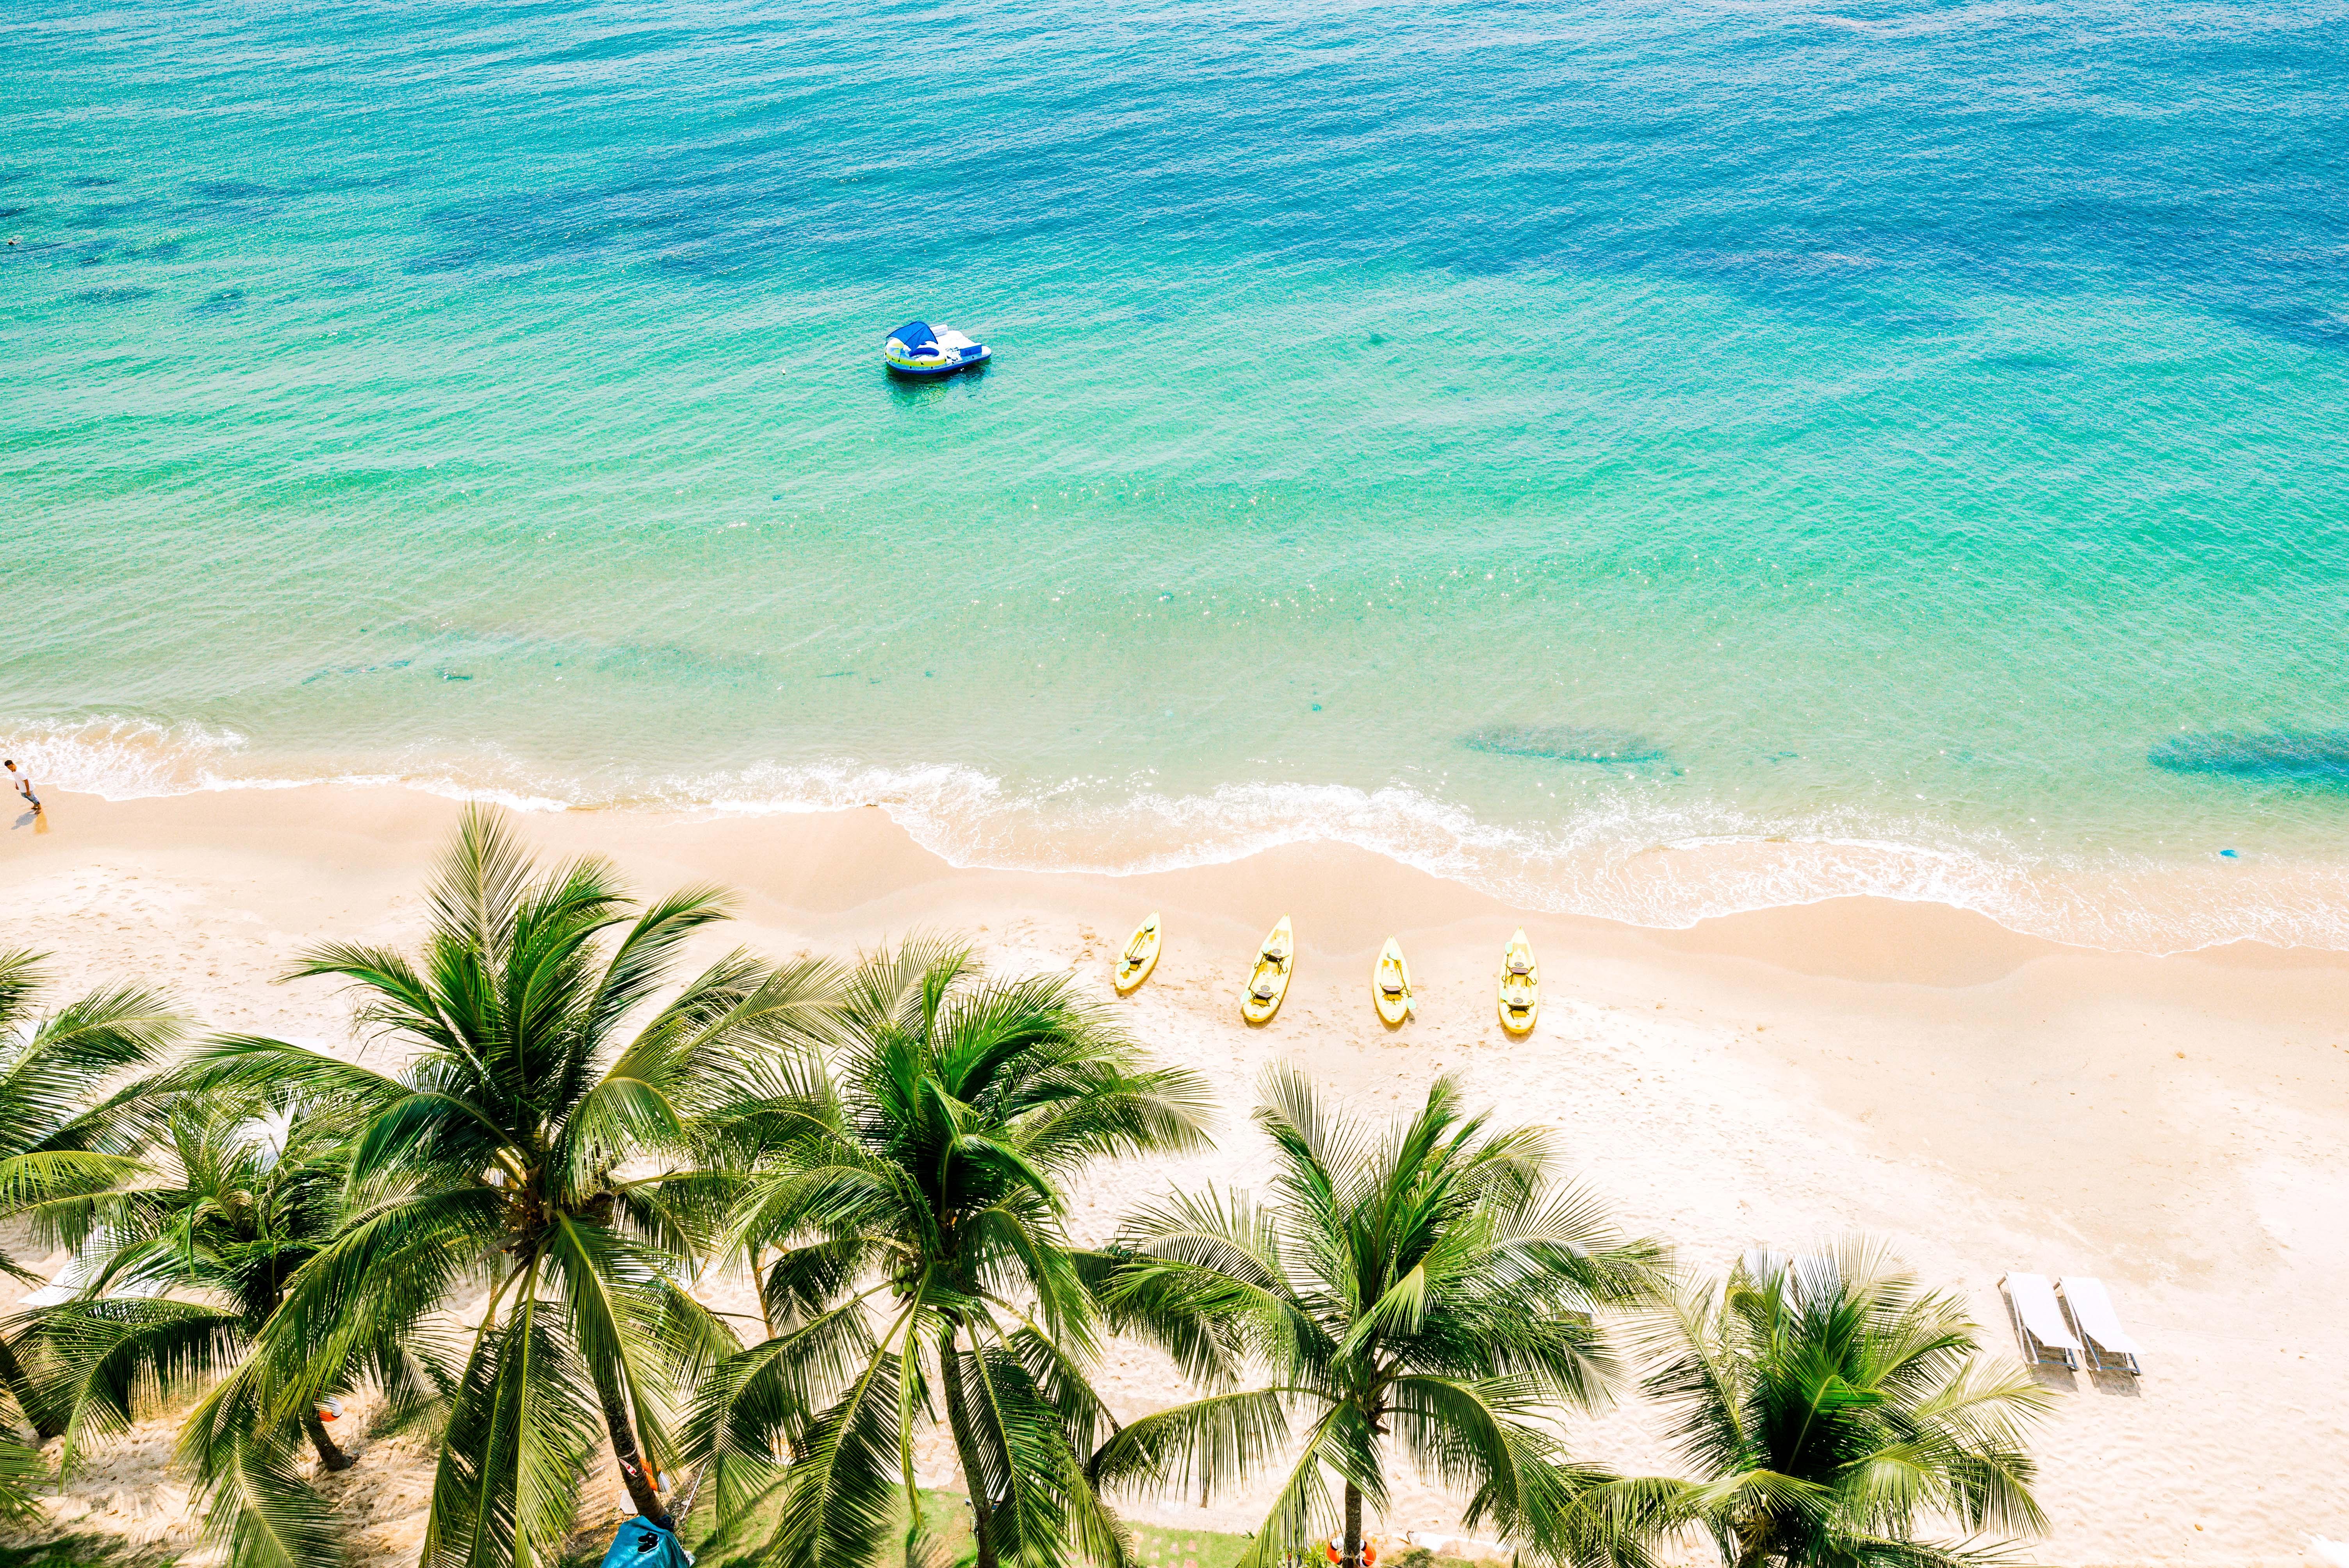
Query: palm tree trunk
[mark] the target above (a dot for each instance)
(330, 1458)
(1353, 1526)
(759, 1283)
(982, 1510)
(641, 1490)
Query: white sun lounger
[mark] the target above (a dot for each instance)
(2038, 1321)
(63, 1287)
(71, 1279)
(2099, 1324)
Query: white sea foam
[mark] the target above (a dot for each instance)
(127, 758)
(1623, 858)
(120, 759)
(1626, 858)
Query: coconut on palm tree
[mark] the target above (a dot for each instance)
(521, 1190)
(912, 1201)
(1425, 1288)
(1833, 1411)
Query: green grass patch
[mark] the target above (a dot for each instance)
(946, 1515)
(1159, 1546)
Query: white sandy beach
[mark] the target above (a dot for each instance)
(1983, 1101)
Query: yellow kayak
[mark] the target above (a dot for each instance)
(1391, 984)
(1139, 957)
(1270, 983)
(1520, 986)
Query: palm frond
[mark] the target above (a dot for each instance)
(94, 1037)
(279, 1074)
(101, 1360)
(1302, 1514)
(400, 999)
(48, 1176)
(632, 1331)
(1831, 1405)
(755, 1407)
(22, 977)
(262, 1514)
(482, 880)
(522, 1423)
(21, 1471)
(837, 1495)
(371, 1285)
(639, 966)
(1202, 1449)
(1016, 1457)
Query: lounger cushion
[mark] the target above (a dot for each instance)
(2092, 1309)
(2035, 1302)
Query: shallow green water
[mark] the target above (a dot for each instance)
(1895, 421)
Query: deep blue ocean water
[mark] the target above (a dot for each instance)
(1886, 448)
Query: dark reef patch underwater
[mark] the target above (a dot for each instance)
(2309, 756)
(1563, 743)
(1838, 442)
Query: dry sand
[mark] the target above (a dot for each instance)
(1982, 1102)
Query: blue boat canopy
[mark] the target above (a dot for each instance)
(915, 335)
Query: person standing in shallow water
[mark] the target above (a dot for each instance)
(24, 783)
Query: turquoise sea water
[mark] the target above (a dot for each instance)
(1644, 459)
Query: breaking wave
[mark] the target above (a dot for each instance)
(1625, 858)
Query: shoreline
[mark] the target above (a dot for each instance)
(1682, 866)
(1980, 1099)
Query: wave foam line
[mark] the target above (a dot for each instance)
(1626, 858)
(139, 759)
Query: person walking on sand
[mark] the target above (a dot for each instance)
(23, 783)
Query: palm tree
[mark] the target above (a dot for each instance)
(68, 1128)
(229, 1206)
(1429, 1286)
(534, 1146)
(914, 1199)
(1829, 1407)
